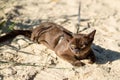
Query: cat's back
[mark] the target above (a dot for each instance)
(46, 29)
(45, 26)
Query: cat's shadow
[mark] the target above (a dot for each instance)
(104, 55)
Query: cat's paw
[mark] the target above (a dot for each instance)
(92, 61)
(78, 63)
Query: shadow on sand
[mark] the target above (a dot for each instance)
(105, 55)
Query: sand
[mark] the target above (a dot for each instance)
(21, 59)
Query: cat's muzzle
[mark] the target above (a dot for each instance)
(77, 50)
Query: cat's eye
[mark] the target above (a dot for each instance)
(83, 46)
(72, 46)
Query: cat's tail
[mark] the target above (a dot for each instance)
(14, 33)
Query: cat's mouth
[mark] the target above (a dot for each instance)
(75, 50)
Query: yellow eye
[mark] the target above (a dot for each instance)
(72, 46)
(83, 46)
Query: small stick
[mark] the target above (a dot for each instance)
(79, 18)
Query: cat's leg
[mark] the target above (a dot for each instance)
(91, 57)
(72, 60)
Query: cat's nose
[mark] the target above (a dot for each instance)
(77, 50)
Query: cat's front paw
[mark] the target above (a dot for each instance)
(78, 63)
(92, 60)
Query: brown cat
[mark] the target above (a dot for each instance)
(71, 47)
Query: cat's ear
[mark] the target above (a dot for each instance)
(91, 35)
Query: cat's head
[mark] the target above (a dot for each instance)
(80, 43)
